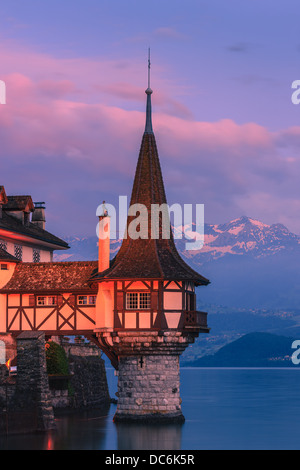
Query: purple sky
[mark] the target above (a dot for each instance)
(228, 134)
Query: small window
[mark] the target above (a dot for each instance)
(132, 300)
(41, 300)
(87, 300)
(44, 300)
(92, 299)
(145, 300)
(190, 302)
(36, 256)
(82, 300)
(51, 300)
(138, 301)
(19, 252)
(4, 267)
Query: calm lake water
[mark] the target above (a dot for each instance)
(224, 409)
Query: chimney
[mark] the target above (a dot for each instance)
(38, 216)
(3, 199)
(103, 240)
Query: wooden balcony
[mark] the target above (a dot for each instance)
(194, 320)
(188, 320)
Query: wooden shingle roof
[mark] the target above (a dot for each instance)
(12, 224)
(5, 256)
(149, 258)
(3, 197)
(19, 203)
(52, 277)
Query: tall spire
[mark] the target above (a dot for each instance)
(148, 127)
(149, 257)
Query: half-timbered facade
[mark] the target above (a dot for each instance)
(52, 297)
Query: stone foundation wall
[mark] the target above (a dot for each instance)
(88, 382)
(149, 388)
(32, 386)
(27, 402)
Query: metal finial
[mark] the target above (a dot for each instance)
(149, 91)
(148, 127)
(149, 67)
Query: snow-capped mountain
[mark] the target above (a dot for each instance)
(249, 263)
(243, 236)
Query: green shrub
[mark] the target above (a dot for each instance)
(57, 361)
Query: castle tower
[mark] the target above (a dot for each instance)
(147, 315)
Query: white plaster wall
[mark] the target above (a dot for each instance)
(2, 313)
(45, 255)
(105, 306)
(5, 275)
(173, 301)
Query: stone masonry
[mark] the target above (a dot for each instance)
(149, 375)
(32, 387)
(148, 388)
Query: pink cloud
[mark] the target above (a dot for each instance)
(69, 113)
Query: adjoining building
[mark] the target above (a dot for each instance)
(22, 230)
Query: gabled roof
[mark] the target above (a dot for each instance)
(5, 256)
(19, 203)
(52, 277)
(149, 258)
(12, 224)
(3, 197)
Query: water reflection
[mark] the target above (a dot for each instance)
(148, 436)
(82, 430)
(224, 409)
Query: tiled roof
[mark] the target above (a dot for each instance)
(3, 197)
(52, 277)
(4, 256)
(149, 258)
(18, 203)
(10, 223)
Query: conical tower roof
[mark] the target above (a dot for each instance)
(152, 258)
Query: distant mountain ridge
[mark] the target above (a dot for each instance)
(238, 237)
(243, 236)
(251, 350)
(249, 263)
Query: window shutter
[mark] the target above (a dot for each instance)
(72, 299)
(154, 300)
(60, 300)
(120, 301)
(31, 301)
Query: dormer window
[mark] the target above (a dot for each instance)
(138, 301)
(36, 256)
(19, 252)
(3, 245)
